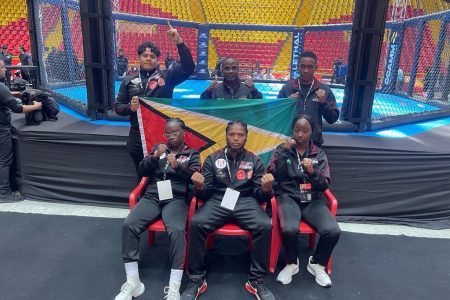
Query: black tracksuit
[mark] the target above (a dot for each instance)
(173, 212)
(161, 85)
(246, 173)
(232, 90)
(310, 106)
(7, 103)
(288, 176)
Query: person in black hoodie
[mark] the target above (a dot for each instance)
(313, 97)
(301, 170)
(232, 185)
(7, 103)
(173, 163)
(231, 87)
(150, 81)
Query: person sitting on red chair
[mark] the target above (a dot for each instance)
(301, 170)
(169, 168)
(232, 185)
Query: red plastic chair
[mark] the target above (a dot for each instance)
(229, 229)
(304, 228)
(159, 224)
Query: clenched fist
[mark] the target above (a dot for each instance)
(172, 160)
(267, 181)
(134, 103)
(198, 180)
(308, 165)
(320, 95)
(161, 149)
(289, 143)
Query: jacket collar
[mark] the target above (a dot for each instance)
(296, 86)
(232, 86)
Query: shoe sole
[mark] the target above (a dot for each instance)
(251, 290)
(296, 271)
(140, 291)
(313, 274)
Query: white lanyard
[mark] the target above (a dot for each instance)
(300, 167)
(228, 167)
(307, 95)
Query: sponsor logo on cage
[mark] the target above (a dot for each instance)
(221, 163)
(246, 165)
(295, 54)
(202, 62)
(203, 45)
(203, 53)
(202, 71)
(203, 35)
(393, 48)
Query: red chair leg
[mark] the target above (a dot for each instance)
(329, 266)
(151, 237)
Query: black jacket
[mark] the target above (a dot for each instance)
(7, 102)
(328, 110)
(188, 163)
(285, 169)
(246, 171)
(163, 82)
(234, 90)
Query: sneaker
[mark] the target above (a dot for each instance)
(11, 197)
(194, 289)
(259, 289)
(172, 291)
(319, 272)
(130, 290)
(285, 276)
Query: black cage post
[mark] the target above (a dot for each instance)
(96, 18)
(369, 21)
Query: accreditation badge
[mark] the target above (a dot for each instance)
(305, 192)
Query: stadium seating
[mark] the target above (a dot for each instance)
(14, 25)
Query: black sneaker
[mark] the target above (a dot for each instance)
(11, 197)
(194, 289)
(259, 289)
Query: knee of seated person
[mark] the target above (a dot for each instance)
(128, 225)
(196, 222)
(332, 232)
(291, 229)
(177, 229)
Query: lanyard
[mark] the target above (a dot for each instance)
(228, 168)
(300, 167)
(307, 95)
(150, 78)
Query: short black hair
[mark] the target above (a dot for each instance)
(228, 57)
(307, 118)
(178, 121)
(141, 48)
(237, 122)
(309, 54)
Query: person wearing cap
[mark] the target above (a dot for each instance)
(150, 81)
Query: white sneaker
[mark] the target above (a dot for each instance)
(130, 290)
(172, 291)
(319, 272)
(285, 275)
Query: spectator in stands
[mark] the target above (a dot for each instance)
(5, 56)
(173, 163)
(122, 63)
(400, 80)
(7, 103)
(342, 74)
(269, 75)
(337, 63)
(231, 87)
(150, 81)
(232, 186)
(169, 61)
(301, 170)
(257, 75)
(25, 60)
(313, 97)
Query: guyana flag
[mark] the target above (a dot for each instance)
(269, 121)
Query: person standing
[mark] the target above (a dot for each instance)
(150, 81)
(7, 103)
(313, 97)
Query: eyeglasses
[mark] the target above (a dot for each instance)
(174, 134)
